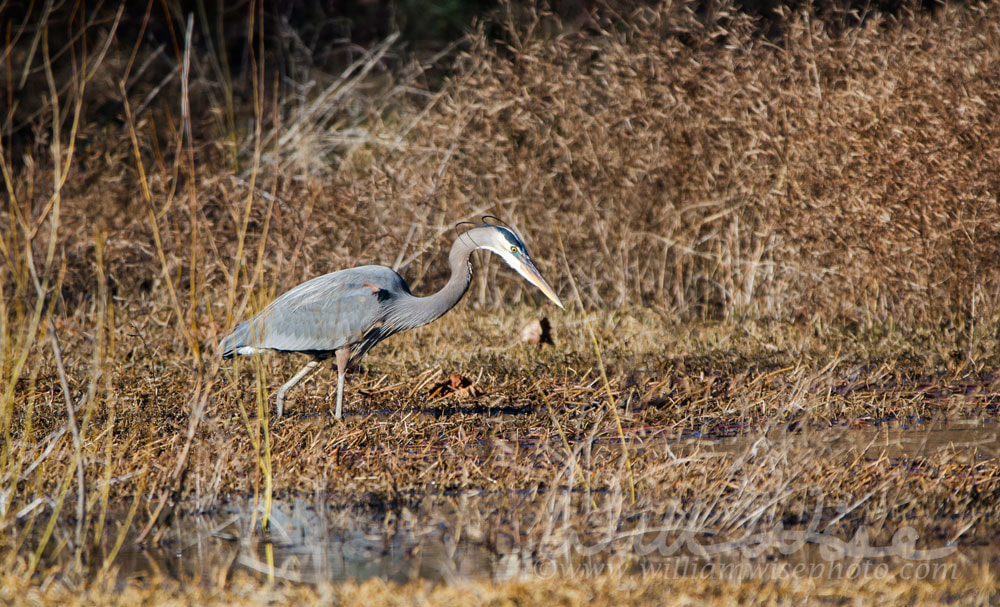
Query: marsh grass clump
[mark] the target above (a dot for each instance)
(773, 234)
(801, 194)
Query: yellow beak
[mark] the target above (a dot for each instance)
(532, 275)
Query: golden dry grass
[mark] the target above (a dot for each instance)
(796, 231)
(601, 591)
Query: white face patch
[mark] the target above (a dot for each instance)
(501, 246)
(508, 257)
(516, 264)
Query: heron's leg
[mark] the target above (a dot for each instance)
(304, 372)
(343, 356)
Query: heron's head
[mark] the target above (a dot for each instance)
(508, 245)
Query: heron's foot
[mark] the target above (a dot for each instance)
(280, 403)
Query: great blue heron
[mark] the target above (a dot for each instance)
(345, 313)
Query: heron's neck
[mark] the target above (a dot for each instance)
(422, 310)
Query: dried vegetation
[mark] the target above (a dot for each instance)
(784, 227)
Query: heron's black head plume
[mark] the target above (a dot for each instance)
(499, 222)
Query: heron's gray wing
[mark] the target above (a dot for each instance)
(325, 313)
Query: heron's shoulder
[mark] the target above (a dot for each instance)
(369, 272)
(372, 278)
(377, 276)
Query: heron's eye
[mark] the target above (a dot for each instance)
(513, 249)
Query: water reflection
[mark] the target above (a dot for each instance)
(308, 543)
(476, 535)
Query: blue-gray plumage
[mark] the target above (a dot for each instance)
(344, 314)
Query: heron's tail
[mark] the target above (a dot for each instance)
(238, 338)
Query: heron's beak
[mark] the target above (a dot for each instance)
(532, 275)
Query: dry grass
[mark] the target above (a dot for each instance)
(766, 233)
(606, 590)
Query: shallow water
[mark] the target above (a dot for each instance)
(312, 543)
